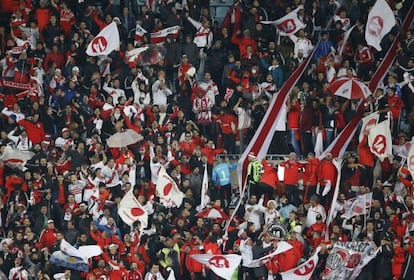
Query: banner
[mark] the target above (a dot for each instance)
(367, 123)
(222, 265)
(410, 160)
(357, 205)
(303, 271)
(61, 259)
(157, 37)
(205, 199)
(14, 158)
(15, 85)
(289, 24)
(83, 252)
(380, 140)
(380, 21)
(168, 191)
(347, 259)
(130, 210)
(105, 42)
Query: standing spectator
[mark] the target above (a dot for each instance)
(228, 124)
(221, 179)
(302, 44)
(291, 177)
(314, 211)
(363, 58)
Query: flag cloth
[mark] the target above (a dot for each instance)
(347, 259)
(14, 158)
(338, 164)
(357, 205)
(289, 24)
(410, 160)
(344, 40)
(282, 246)
(380, 21)
(130, 210)
(134, 53)
(380, 140)
(61, 259)
(205, 199)
(367, 123)
(159, 36)
(105, 42)
(168, 191)
(303, 271)
(83, 252)
(222, 265)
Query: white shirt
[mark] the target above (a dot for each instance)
(243, 117)
(210, 88)
(114, 92)
(159, 95)
(301, 44)
(313, 212)
(255, 216)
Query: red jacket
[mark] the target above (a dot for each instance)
(327, 171)
(294, 115)
(192, 264)
(395, 104)
(100, 240)
(11, 181)
(291, 171)
(227, 123)
(365, 156)
(243, 43)
(188, 147)
(35, 131)
(47, 238)
(284, 261)
(269, 177)
(58, 58)
(211, 154)
(311, 172)
(397, 262)
(364, 56)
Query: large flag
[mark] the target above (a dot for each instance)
(338, 164)
(205, 199)
(130, 210)
(14, 158)
(289, 24)
(222, 265)
(282, 246)
(410, 159)
(357, 205)
(380, 140)
(168, 191)
(303, 271)
(380, 21)
(75, 258)
(346, 259)
(344, 40)
(367, 123)
(105, 42)
(159, 36)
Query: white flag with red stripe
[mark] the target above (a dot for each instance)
(410, 159)
(168, 191)
(356, 206)
(289, 24)
(130, 210)
(205, 198)
(222, 265)
(160, 36)
(380, 21)
(139, 32)
(14, 158)
(368, 122)
(344, 40)
(303, 271)
(105, 42)
(380, 140)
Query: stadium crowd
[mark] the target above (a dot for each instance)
(72, 185)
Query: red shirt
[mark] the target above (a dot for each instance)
(291, 171)
(227, 123)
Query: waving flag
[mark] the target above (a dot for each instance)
(344, 40)
(222, 265)
(380, 21)
(130, 210)
(410, 159)
(357, 205)
(168, 191)
(282, 246)
(380, 140)
(157, 37)
(205, 199)
(368, 122)
(105, 42)
(303, 271)
(289, 24)
(14, 158)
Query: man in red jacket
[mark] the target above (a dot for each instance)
(327, 178)
(310, 177)
(34, 129)
(291, 176)
(48, 237)
(228, 127)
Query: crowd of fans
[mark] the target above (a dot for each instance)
(72, 186)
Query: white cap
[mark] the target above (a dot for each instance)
(75, 68)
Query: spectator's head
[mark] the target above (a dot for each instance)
(314, 200)
(155, 268)
(50, 224)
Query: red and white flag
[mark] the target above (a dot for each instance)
(105, 42)
(282, 246)
(160, 36)
(139, 32)
(410, 160)
(356, 206)
(368, 122)
(168, 191)
(205, 198)
(130, 210)
(14, 158)
(380, 21)
(134, 53)
(289, 24)
(222, 265)
(380, 140)
(303, 271)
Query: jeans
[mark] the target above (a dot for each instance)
(330, 135)
(294, 141)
